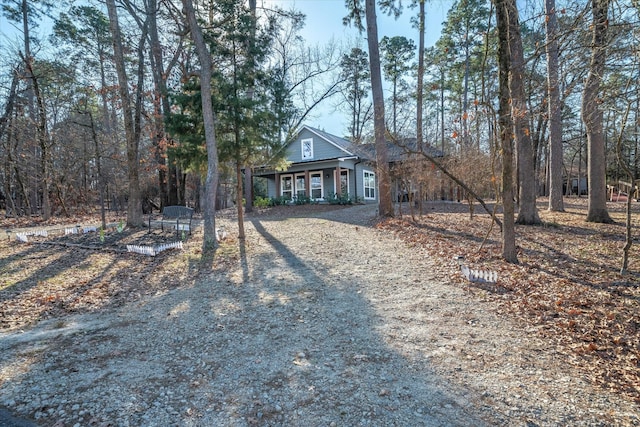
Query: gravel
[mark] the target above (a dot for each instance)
(324, 321)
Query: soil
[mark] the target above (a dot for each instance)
(323, 317)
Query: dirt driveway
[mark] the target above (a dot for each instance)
(323, 321)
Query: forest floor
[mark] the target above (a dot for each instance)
(567, 284)
(566, 292)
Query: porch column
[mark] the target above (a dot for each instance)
(307, 186)
(338, 181)
(278, 185)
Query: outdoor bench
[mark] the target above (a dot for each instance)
(179, 216)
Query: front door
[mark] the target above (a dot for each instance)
(344, 182)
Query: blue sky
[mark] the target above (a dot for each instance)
(324, 19)
(324, 22)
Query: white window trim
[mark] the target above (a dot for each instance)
(282, 179)
(321, 184)
(364, 185)
(302, 142)
(295, 184)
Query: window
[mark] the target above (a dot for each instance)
(307, 148)
(369, 185)
(286, 186)
(316, 185)
(301, 191)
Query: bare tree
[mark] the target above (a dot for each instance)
(527, 212)
(592, 116)
(134, 205)
(555, 113)
(420, 91)
(506, 130)
(420, 82)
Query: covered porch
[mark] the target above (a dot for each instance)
(315, 181)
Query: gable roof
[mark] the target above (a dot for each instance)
(397, 151)
(336, 141)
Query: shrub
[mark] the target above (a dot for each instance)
(262, 202)
(301, 200)
(339, 199)
(278, 201)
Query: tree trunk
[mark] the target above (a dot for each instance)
(248, 178)
(161, 102)
(420, 94)
(241, 235)
(527, 212)
(465, 90)
(592, 117)
(248, 189)
(556, 202)
(209, 241)
(134, 206)
(43, 141)
(385, 206)
(509, 252)
(100, 177)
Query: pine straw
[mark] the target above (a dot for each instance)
(567, 284)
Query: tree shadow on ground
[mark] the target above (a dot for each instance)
(281, 340)
(60, 275)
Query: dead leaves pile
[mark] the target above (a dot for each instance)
(567, 285)
(58, 275)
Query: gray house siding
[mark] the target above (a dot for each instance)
(271, 188)
(360, 169)
(325, 158)
(321, 149)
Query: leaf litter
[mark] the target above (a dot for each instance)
(567, 285)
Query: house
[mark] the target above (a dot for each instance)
(407, 168)
(321, 167)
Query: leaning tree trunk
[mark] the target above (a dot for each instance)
(209, 241)
(506, 126)
(556, 202)
(592, 117)
(385, 206)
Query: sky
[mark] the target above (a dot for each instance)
(324, 21)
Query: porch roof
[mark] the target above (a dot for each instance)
(314, 164)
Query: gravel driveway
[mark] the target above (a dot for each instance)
(325, 321)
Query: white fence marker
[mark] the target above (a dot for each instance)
(153, 250)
